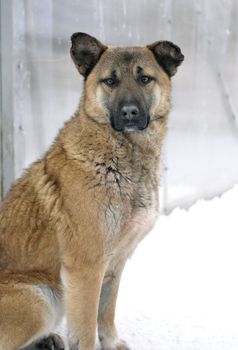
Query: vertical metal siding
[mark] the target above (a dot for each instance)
(7, 98)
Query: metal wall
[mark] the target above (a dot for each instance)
(7, 156)
(45, 86)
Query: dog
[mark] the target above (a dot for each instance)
(69, 224)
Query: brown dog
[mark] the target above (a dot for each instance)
(69, 224)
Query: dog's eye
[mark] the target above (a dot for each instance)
(109, 82)
(145, 79)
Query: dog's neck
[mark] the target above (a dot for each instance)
(87, 140)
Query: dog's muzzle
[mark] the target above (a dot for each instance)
(129, 117)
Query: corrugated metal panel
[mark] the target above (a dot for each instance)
(7, 116)
(47, 87)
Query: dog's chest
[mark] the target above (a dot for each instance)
(131, 198)
(123, 241)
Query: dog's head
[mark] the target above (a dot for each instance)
(126, 88)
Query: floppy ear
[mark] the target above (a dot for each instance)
(168, 56)
(85, 52)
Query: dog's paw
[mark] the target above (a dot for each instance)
(52, 342)
(122, 345)
(73, 343)
(107, 344)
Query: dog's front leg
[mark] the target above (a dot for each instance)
(106, 327)
(81, 300)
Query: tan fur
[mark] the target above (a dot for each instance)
(69, 224)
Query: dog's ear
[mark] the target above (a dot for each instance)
(85, 52)
(168, 55)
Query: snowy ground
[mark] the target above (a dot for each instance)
(180, 289)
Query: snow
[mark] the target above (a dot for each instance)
(199, 165)
(179, 290)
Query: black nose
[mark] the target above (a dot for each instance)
(129, 112)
